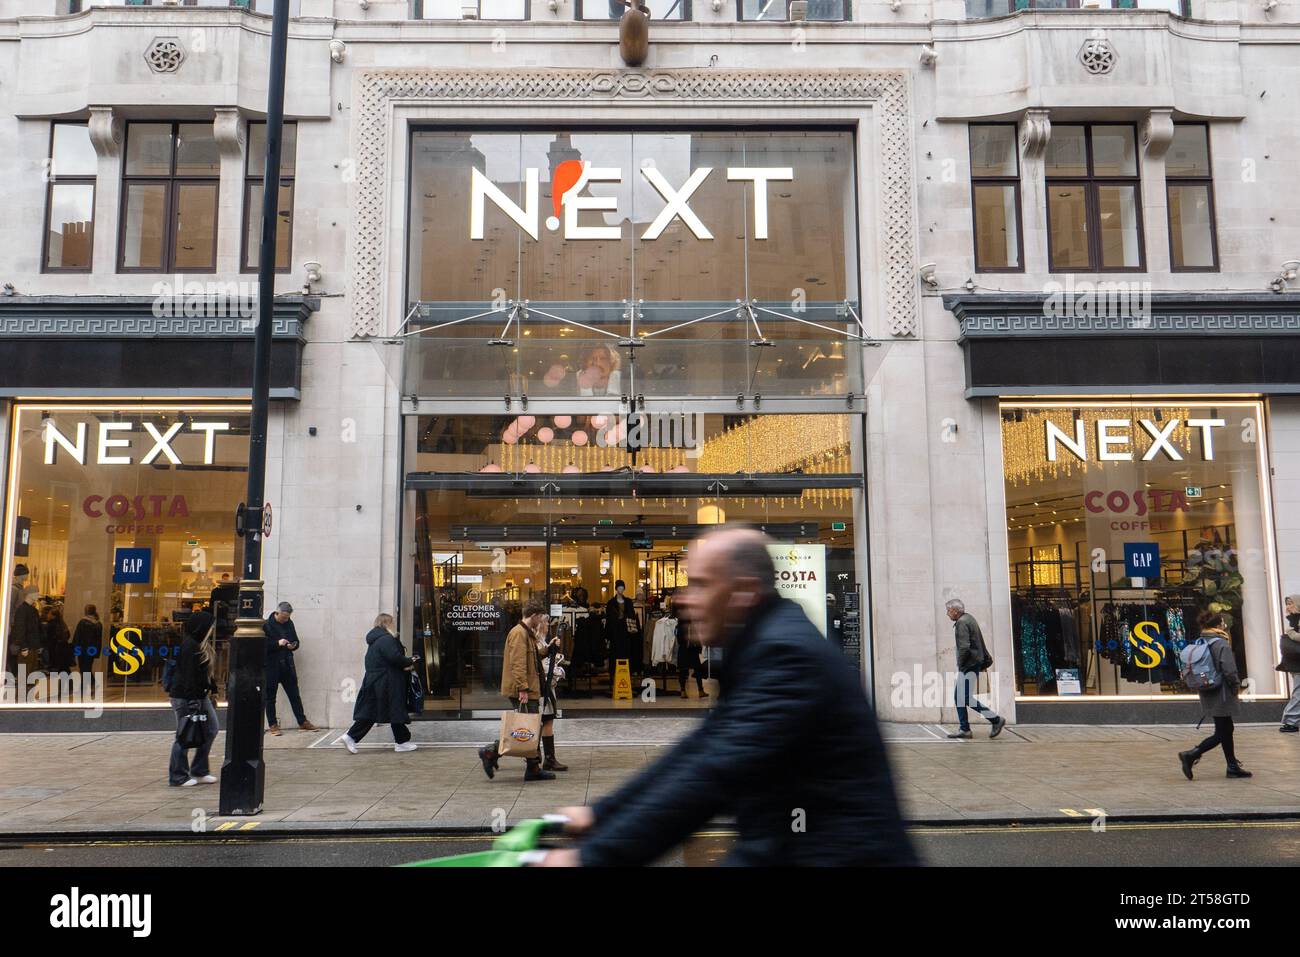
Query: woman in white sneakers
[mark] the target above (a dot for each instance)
(382, 697)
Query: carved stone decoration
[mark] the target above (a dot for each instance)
(1157, 133)
(1035, 133)
(228, 130)
(105, 130)
(888, 94)
(1098, 56)
(165, 54)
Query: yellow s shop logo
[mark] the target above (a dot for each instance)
(129, 657)
(1150, 653)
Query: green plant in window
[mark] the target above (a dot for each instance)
(1211, 571)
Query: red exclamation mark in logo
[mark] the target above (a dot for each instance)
(568, 178)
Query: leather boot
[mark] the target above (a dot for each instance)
(534, 771)
(1235, 770)
(1187, 759)
(551, 763)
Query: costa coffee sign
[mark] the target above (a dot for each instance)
(121, 443)
(572, 176)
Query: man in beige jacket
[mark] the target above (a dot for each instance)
(521, 683)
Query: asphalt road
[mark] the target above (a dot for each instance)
(1223, 844)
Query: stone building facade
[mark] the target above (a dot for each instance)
(1038, 220)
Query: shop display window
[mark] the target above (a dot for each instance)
(1125, 519)
(482, 546)
(127, 509)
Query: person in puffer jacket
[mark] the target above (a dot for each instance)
(1290, 664)
(792, 748)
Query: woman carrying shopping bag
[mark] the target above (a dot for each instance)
(521, 683)
(192, 695)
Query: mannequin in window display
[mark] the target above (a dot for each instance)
(623, 629)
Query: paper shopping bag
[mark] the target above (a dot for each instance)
(521, 734)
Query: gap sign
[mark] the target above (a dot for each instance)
(132, 566)
(1142, 560)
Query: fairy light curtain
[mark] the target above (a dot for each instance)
(1024, 444)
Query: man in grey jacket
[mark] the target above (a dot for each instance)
(972, 658)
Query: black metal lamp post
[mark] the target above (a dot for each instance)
(243, 774)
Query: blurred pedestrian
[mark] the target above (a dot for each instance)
(791, 749)
(382, 698)
(972, 658)
(281, 643)
(1219, 699)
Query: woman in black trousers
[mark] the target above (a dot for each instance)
(1218, 703)
(382, 697)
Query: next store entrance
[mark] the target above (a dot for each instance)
(486, 541)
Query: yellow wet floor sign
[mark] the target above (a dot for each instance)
(622, 680)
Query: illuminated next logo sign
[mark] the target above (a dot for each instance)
(106, 443)
(572, 175)
(1114, 434)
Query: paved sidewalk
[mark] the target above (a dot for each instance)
(115, 783)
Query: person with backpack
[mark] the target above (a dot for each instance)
(192, 690)
(972, 658)
(1289, 645)
(1209, 668)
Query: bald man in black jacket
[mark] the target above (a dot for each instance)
(792, 749)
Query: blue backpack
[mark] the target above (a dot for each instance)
(1197, 666)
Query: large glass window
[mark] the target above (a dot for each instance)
(254, 171)
(1094, 203)
(780, 9)
(995, 196)
(563, 507)
(614, 9)
(118, 528)
(479, 9)
(977, 9)
(257, 6)
(1190, 191)
(1124, 521)
(712, 262)
(169, 198)
(70, 201)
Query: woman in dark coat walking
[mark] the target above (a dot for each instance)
(383, 691)
(1218, 703)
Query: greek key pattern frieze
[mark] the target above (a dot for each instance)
(141, 327)
(888, 93)
(1157, 323)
